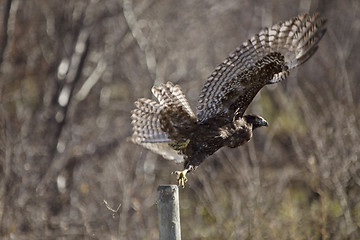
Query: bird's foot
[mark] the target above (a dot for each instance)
(181, 177)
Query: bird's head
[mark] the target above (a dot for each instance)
(256, 121)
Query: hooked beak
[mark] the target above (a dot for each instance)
(264, 123)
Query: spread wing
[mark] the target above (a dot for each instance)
(156, 125)
(264, 59)
(147, 130)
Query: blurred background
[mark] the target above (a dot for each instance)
(70, 72)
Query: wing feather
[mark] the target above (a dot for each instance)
(264, 59)
(155, 125)
(170, 94)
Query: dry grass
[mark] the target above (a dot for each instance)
(70, 72)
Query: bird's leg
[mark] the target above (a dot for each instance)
(180, 146)
(181, 176)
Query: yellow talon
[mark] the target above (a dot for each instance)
(181, 177)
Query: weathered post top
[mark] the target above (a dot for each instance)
(169, 212)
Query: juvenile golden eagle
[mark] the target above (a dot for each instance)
(170, 128)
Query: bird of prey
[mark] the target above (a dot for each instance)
(170, 128)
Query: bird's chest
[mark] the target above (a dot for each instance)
(239, 137)
(205, 141)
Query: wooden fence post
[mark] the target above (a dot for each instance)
(169, 213)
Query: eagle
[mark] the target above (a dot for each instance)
(169, 126)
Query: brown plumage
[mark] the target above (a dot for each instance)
(171, 129)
